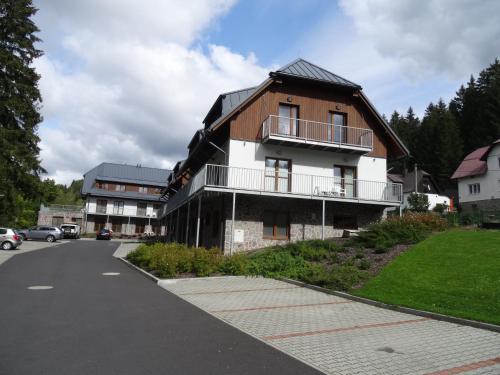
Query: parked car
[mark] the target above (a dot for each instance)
(9, 239)
(42, 232)
(70, 230)
(104, 234)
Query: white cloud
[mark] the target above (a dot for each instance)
(130, 95)
(405, 53)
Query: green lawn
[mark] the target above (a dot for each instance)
(454, 273)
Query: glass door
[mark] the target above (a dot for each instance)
(337, 129)
(277, 175)
(344, 181)
(288, 120)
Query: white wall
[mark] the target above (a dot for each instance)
(490, 181)
(129, 206)
(245, 154)
(433, 200)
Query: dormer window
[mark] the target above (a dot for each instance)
(119, 187)
(143, 189)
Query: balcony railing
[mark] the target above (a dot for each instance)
(286, 183)
(316, 133)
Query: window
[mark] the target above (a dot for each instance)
(156, 208)
(141, 209)
(143, 189)
(344, 181)
(288, 121)
(276, 225)
(101, 206)
(3, 231)
(57, 220)
(118, 208)
(474, 189)
(338, 123)
(119, 187)
(278, 175)
(101, 185)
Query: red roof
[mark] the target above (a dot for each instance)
(475, 163)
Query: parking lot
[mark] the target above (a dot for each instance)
(28, 246)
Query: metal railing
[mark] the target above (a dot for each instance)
(312, 131)
(287, 183)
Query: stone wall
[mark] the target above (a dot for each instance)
(304, 217)
(483, 205)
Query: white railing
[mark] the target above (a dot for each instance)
(312, 131)
(286, 183)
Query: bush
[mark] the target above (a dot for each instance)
(206, 262)
(408, 229)
(440, 208)
(235, 265)
(276, 262)
(140, 256)
(418, 202)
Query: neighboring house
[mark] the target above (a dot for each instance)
(424, 183)
(124, 198)
(301, 156)
(478, 178)
(57, 214)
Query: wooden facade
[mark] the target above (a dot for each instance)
(316, 102)
(111, 186)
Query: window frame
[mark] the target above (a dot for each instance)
(143, 189)
(331, 128)
(120, 188)
(274, 215)
(143, 205)
(293, 127)
(105, 205)
(118, 207)
(474, 188)
(276, 173)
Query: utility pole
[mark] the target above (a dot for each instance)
(416, 178)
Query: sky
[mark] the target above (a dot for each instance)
(130, 82)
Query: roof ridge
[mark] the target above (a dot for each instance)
(235, 91)
(319, 67)
(132, 165)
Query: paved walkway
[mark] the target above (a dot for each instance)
(339, 336)
(28, 246)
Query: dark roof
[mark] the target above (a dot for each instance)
(304, 69)
(475, 163)
(425, 181)
(231, 100)
(127, 174)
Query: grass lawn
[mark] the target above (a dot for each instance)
(454, 273)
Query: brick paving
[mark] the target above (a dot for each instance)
(340, 336)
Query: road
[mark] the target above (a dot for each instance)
(89, 323)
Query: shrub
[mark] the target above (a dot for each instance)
(440, 208)
(364, 264)
(345, 277)
(418, 202)
(236, 264)
(313, 250)
(140, 256)
(206, 262)
(408, 229)
(276, 262)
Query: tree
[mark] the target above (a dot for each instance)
(439, 148)
(19, 106)
(418, 202)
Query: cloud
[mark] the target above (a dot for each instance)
(134, 96)
(452, 36)
(406, 54)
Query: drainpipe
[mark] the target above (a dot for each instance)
(232, 224)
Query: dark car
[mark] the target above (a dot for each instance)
(104, 234)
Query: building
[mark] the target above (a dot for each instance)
(424, 183)
(301, 156)
(478, 178)
(57, 214)
(124, 198)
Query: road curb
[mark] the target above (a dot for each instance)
(145, 273)
(406, 310)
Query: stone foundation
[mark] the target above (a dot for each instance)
(483, 205)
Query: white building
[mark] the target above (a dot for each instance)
(301, 156)
(124, 198)
(478, 178)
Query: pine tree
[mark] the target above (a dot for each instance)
(19, 105)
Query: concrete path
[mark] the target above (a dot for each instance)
(339, 336)
(102, 317)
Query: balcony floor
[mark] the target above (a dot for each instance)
(316, 145)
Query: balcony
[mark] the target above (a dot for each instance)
(269, 182)
(316, 135)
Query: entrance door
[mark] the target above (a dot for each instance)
(288, 120)
(337, 130)
(277, 175)
(344, 181)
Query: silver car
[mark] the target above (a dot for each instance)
(9, 239)
(41, 232)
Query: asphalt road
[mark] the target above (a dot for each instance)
(95, 324)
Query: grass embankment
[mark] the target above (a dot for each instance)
(454, 273)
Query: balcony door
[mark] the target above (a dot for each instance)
(345, 181)
(278, 175)
(337, 129)
(288, 120)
